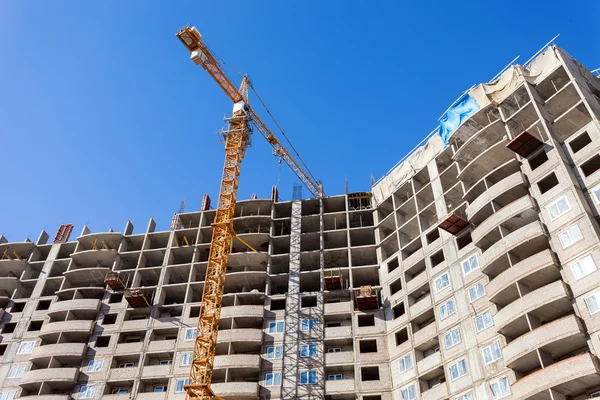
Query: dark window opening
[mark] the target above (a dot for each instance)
(437, 258)
(102, 341)
(366, 320)
(464, 240)
(9, 328)
(399, 310)
(537, 160)
(371, 397)
(401, 336)
(17, 307)
(334, 324)
(278, 304)
(44, 304)
(194, 312)
(396, 286)
(547, 183)
(3, 349)
(369, 373)
(115, 298)
(591, 166)
(109, 319)
(35, 326)
(433, 236)
(368, 346)
(393, 264)
(310, 301)
(580, 142)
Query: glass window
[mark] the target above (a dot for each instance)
(273, 379)
(87, 392)
(309, 324)
(447, 309)
(406, 363)
(95, 365)
(466, 396)
(583, 267)
(276, 327)
(160, 388)
(593, 303)
(165, 362)
(458, 369)
(308, 377)
(470, 264)
(409, 393)
(186, 359)
(558, 208)
(452, 338)
(442, 282)
(274, 352)
(569, 236)
(120, 391)
(500, 388)
(308, 350)
(7, 395)
(334, 377)
(190, 334)
(492, 353)
(484, 321)
(127, 365)
(180, 383)
(596, 191)
(26, 347)
(16, 372)
(476, 291)
(334, 350)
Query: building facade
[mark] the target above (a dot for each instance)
(471, 272)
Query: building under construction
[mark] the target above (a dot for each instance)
(470, 271)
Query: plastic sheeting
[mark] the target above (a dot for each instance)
(455, 116)
(404, 171)
(495, 92)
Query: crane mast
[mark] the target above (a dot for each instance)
(237, 139)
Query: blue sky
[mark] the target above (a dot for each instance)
(104, 119)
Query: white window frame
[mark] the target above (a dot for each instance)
(478, 293)
(596, 298)
(439, 288)
(190, 334)
(467, 261)
(497, 381)
(336, 377)
(163, 388)
(594, 190)
(95, 365)
(408, 392)
(179, 384)
(334, 349)
(482, 316)
(7, 395)
(568, 235)
(26, 347)
(456, 339)
(274, 352)
(276, 326)
(16, 372)
(456, 368)
(309, 374)
(119, 391)
(308, 324)
(309, 350)
(274, 377)
(165, 362)
(185, 360)
(87, 391)
(583, 266)
(127, 364)
(466, 396)
(495, 353)
(444, 309)
(555, 203)
(406, 363)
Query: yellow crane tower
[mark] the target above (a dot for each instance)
(236, 141)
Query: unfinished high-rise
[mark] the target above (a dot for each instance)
(471, 271)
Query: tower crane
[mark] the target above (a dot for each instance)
(237, 139)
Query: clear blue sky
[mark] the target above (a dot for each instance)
(104, 119)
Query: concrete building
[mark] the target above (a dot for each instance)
(470, 272)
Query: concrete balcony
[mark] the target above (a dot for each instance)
(502, 192)
(429, 364)
(524, 208)
(156, 371)
(338, 332)
(63, 350)
(523, 242)
(79, 326)
(161, 345)
(135, 325)
(129, 348)
(115, 396)
(416, 282)
(339, 308)
(119, 374)
(59, 377)
(50, 397)
(74, 305)
(236, 389)
(152, 396)
(240, 335)
(340, 387)
(556, 338)
(425, 335)
(420, 307)
(438, 392)
(344, 357)
(485, 161)
(242, 311)
(545, 303)
(570, 376)
(538, 270)
(251, 361)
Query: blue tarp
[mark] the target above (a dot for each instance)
(455, 116)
